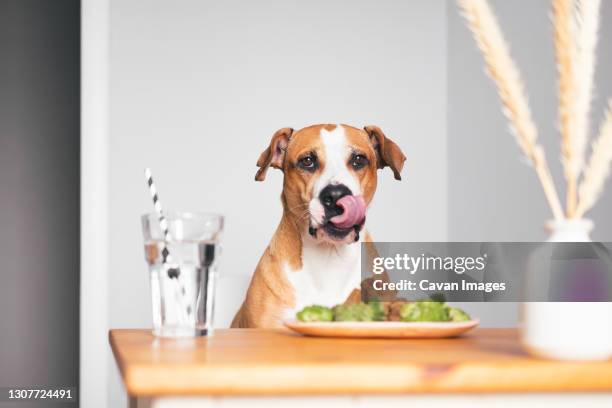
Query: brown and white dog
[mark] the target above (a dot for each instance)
(330, 176)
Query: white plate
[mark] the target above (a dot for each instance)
(406, 330)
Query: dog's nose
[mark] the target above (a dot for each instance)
(331, 194)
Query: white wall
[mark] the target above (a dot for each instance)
(198, 88)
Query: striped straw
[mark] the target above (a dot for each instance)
(163, 223)
(173, 273)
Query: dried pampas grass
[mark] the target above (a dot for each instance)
(598, 168)
(565, 51)
(503, 70)
(587, 26)
(576, 24)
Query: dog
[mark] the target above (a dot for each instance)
(330, 177)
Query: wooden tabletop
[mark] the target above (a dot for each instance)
(275, 362)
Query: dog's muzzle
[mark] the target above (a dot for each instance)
(344, 212)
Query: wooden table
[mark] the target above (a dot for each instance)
(251, 362)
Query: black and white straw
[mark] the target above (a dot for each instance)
(173, 273)
(163, 223)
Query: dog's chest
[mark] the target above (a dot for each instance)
(327, 277)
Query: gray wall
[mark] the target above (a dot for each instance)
(199, 87)
(39, 193)
(493, 194)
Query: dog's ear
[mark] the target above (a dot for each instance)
(388, 153)
(274, 155)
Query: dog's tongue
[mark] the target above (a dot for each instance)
(354, 211)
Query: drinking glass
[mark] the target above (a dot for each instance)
(183, 271)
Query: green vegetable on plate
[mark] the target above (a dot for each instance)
(315, 313)
(424, 311)
(419, 311)
(458, 315)
(359, 312)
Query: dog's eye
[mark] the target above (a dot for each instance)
(359, 161)
(308, 163)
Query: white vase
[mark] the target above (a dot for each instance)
(568, 330)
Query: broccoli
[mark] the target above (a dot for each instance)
(315, 313)
(380, 311)
(424, 311)
(419, 311)
(458, 315)
(359, 312)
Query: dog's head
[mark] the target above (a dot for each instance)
(330, 175)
